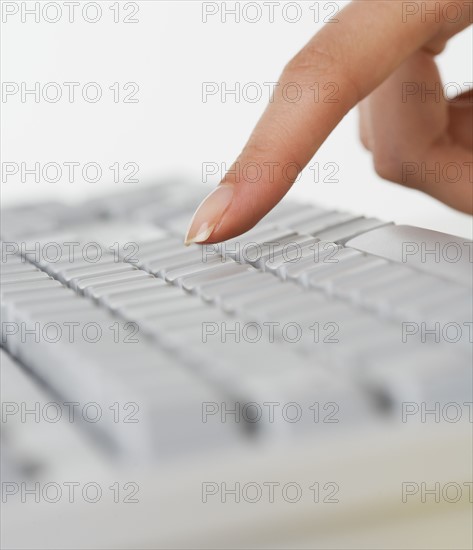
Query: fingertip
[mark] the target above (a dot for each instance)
(209, 214)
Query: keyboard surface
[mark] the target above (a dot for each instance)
(101, 303)
(308, 299)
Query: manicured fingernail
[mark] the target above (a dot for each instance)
(209, 214)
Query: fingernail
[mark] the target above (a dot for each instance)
(209, 214)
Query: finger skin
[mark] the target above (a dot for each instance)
(344, 62)
(364, 123)
(461, 120)
(416, 139)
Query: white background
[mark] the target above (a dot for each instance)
(170, 52)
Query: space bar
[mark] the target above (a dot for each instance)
(436, 253)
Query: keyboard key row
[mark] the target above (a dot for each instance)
(175, 320)
(107, 371)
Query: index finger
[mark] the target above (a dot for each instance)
(349, 59)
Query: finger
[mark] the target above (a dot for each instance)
(450, 177)
(365, 124)
(408, 113)
(463, 99)
(461, 119)
(345, 61)
(411, 141)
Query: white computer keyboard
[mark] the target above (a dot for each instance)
(101, 303)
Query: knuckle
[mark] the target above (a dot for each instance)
(387, 165)
(313, 58)
(364, 139)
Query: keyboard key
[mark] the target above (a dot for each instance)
(26, 287)
(347, 260)
(115, 235)
(218, 273)
(310, 255)
(365, 268)
(30, 276)
(388, 275)
(384, 299)
(151, 250)
(322, 223)
(212, 291)
(288, 307)
(88, 285)
(271, 251)
(17, 267)
(332, 263)
(175, 276)
(175, 260)
(106, 292)
(440, 295)
(141, 295)
(449, 257)
(342, 233)
(250, 290)
(73, 276)
(160, 305)
(76, 261)
(242, 301)
(249, 245)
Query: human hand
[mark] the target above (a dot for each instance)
(381, 57)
